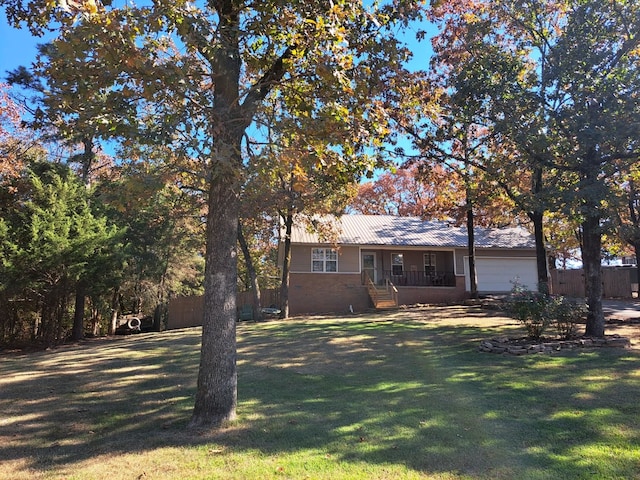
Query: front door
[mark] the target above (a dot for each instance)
(369, 265)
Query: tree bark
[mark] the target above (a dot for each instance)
(591, 247)
(216, 397)
(251, 270)
(286, 264)
(536, 215)
(632, 203)
(542, 262)
(473, 281)
(115, 310)
(78, 315)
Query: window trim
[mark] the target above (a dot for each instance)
(325, 260)
(431, 266)
(394, 265)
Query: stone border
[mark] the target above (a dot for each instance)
(522, 346)
(622, 321)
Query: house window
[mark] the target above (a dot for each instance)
(324, 260)
(397, 264)
(430, 263)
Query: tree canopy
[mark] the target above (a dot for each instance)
(193, 77)
(288, 104)
(554, 84)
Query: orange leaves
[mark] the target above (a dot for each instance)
(405, 192)
(299, 177)
(9, 111)
(15, 142)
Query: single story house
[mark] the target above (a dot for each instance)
(383, 260)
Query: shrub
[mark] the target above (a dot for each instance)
(532, 309)
(537, 311)
(567, 315)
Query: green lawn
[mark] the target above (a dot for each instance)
(381, 396)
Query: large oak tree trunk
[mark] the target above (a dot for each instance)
(591, 247)
(216, 397)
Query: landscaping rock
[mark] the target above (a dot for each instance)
(523, 346)
(618, 341)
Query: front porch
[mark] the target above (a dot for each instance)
(412, 279)
(408, 267)
(398, 275)
(413, 289)
(324, 293)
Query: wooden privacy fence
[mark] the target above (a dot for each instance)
(617, 282)
(269, 297)
(187, 311)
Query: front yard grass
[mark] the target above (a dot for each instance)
(403, 394)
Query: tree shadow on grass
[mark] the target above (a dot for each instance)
(66, 405)
(409, 390)
(439, 405)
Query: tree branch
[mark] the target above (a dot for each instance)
(263, 86)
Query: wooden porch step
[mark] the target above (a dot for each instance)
(382, 304)
(383, 294)
(384, 299)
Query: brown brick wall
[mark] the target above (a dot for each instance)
(324, 293)
(436, 295)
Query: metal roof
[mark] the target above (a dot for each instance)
(390, 230)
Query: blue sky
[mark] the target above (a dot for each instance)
(17, 47)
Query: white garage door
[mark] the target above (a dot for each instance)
(496, 274)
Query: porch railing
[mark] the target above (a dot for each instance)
(415, 279)
(422, 279)
(385, 295)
